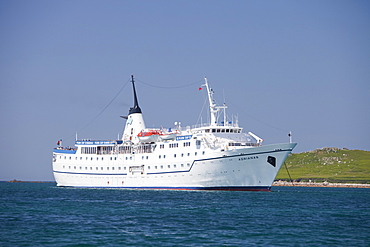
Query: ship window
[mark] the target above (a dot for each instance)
(182, 155)
(80, 167)
(164, 156)
(107, 168)
(86, 158)
(85, 168)
(142, 157)
(112, 168)
(169, 166)
(97, 158)
(97, 168)
(227, 130)
(161, 167)
(207, 131)
(182, 165)
(131, 158)
(155, 167)
(91, 158)
(174, 155)
(196, 153)
(101, 168)
(102, 158)
(80, 158)
(218, 130)
(161, 146)
(188, 164)
(69, 167)
(188, 154)
(65, 157)
(160, 156)
(70, 157)
(63, 167)
(174, 166)
(147, 157)
(203, 152)
(213, 130)
(119, 168)
(110, 158)
(124, 168)
(90, 168)
(76, 158)
(74, 168)
(223, 131)
(115, 158)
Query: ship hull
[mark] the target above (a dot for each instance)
(247, 169)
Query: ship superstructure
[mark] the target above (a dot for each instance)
(213, 156)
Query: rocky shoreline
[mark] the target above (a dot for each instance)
(323, 184)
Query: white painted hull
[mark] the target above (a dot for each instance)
(239, 169)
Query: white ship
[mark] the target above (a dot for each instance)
(215, 156)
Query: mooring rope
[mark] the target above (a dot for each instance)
(286, 167)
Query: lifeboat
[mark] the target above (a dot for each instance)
(171, 135)
(149, 136)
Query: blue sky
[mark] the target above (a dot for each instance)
(300, 66)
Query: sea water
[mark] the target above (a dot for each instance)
(42, 214)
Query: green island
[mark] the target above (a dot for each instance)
(333, 165)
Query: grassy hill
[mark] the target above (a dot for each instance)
(328, 164)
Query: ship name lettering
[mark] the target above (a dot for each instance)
(248, 158)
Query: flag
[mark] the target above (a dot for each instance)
(200, 88)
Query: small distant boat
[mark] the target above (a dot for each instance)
(213, 156)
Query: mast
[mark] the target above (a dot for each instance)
(213, 108)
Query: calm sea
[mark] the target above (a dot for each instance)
(41, 214)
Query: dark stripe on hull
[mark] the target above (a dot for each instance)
(229, 188)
